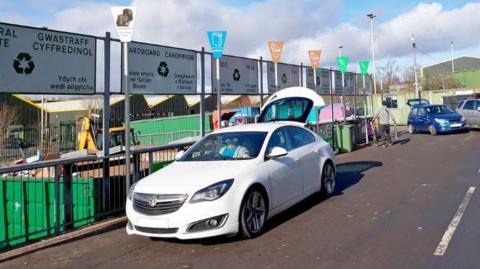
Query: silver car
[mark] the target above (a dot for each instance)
(470, 110)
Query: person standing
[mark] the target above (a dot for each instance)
(384, 115)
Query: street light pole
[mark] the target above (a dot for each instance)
(372, 17)
(452, 47)
(414, 47)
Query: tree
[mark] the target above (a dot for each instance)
(438, 82)
(389, 74)
(8, 116)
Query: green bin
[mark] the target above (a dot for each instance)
(344, 137)
(29, 205)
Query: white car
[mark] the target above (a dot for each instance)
(232, 181)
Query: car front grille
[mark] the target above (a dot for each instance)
(149, 230)
(158, 204)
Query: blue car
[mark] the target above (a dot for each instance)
(435, 119)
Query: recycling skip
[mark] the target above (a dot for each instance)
(43, 61)
(156, 69)
(288, 76)
(323, 80)
(237, 75)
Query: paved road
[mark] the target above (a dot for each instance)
(391, 209)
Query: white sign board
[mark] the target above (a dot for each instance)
(155, 69)
(368, 85)
(288, 76)
(323, 80)
(349, 84)
(43, 61)
(237, 75)
(124, 18)
(338, 83)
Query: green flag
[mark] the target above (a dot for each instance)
(342, 62)
(363, 67)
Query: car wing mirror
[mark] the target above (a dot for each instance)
(478, 108)
(179, 155)
(277, 152)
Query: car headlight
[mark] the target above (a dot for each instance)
(462, 119)
(212, 192)
(441, 121)
(130, 191)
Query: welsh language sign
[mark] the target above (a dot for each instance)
(154, 69)
(288, 76)
(237, 75)
(44, 61)
(323, 80)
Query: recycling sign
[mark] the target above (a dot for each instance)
(163, 69)
(154, 69)
(288, 76)
(46, 62)
(237, 75)
(23, 64)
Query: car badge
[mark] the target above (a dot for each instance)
(152, 202)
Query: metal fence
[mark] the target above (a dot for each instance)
(53, 197)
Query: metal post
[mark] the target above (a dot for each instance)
(314, 79)
(452, 47)
(343, 98)
(355, 97)
(219, 98)
(202, 93)
(106, 121)
(276, 78)
(372, 17)
(301, 74)
(261, 82)
(414, 48)
(365, 109)
(127, 115)
(332, 79)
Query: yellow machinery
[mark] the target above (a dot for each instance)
(90, 138)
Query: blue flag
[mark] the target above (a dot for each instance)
(217, 42)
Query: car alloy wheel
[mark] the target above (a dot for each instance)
(432, 130)
(411, 129)
(253, 214)
(328, 180)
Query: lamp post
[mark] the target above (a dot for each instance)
(414, 48)
(452, 48)
(374, 70)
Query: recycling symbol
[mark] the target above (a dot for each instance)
(236, 75)
(318, 80)
(163, 69)
(23, 64)
(284, 78)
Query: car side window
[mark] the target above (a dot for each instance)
(477, 104)
(279, 139)
(300, 137)
(414, 111)
(470, 105)
(460, 104)
(421, 112)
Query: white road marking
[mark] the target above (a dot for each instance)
(447, 236)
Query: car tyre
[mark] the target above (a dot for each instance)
(411, 129)
(328, 180)
(253, 213)
(432, 130)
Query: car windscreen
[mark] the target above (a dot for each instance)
(436, 110)
(226, 146)
(287, 109)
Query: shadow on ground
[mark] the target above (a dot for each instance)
(348, 174)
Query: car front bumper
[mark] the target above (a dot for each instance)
(176, 224)
(444, 128)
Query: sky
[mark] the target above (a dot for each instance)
(302, 24)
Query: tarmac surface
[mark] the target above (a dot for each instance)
(391, 209)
